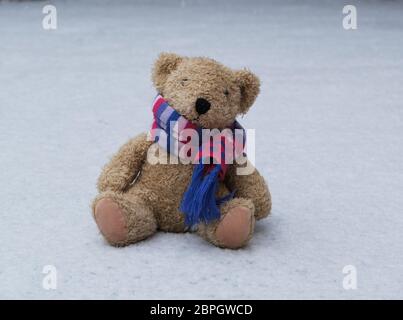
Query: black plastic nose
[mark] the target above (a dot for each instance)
(202, 106)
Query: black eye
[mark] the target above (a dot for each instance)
(183, 81)
(226, 92)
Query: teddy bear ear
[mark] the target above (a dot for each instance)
(163, 66)
(250, 87)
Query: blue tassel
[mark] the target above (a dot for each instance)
(199, 203)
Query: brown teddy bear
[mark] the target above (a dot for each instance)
(137, 197)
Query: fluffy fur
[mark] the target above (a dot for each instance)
(149, 195)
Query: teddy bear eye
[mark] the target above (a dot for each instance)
(226, 92)
(183, 81)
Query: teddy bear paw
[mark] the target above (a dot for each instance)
(235, 229)
(111, 221)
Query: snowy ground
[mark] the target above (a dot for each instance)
(329, 125)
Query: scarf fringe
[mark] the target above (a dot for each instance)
(199, 201)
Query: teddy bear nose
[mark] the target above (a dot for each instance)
(202, 106)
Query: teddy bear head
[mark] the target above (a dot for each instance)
(203, 90)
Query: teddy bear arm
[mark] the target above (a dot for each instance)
(124, 165)
(250, 186)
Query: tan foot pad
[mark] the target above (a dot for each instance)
(234, 229)
(111, 221)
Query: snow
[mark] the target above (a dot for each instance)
(329, 132)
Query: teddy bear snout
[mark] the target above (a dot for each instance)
(202, 105)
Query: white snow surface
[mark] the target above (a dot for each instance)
(329, 142)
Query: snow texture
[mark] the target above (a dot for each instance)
(329, 141)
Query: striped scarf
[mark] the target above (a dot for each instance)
(172, 132)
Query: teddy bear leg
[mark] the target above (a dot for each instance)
(235, 227)
(123, 219)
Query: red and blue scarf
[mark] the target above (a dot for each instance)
(199, 203)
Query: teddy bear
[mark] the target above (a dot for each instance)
(138, 197)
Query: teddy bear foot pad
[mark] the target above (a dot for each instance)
(111, 221)
(235, 229)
